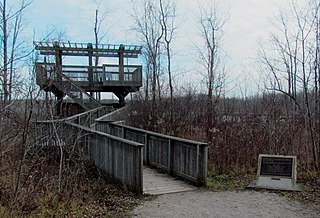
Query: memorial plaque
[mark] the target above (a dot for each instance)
(277, 172)
(276, 166)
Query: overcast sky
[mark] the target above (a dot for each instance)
(249, 21)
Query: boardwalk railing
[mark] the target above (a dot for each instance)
(119, 151)
(179, 157)
(119, 159)
(119, 115)
(86, 118)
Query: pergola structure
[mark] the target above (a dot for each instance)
(82, 82)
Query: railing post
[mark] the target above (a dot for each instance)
(123, 132)
(197, 166)
(81, 97)
(90, 119)
(146, 147)
(205, 162)
(121, 63)
(205, 165)
(90, 67)
(170, 156)
(139, 170)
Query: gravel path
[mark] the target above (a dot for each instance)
(223, 204)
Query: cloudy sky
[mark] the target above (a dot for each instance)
(249, 21)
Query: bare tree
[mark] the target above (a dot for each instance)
(148, 25)
(168, 14)
(292, 59)
(99, 35)
(12, 49)
(211, 28)
(99, 27)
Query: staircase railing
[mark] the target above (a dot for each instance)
(78, 94)
(47, 74)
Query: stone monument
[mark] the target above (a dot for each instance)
(277, 172)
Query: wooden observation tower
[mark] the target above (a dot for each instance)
(85, 83)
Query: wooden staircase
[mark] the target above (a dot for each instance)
(59, 84)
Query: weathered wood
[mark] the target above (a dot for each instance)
(119, 159)
(120, 154)
(58, 78)
(100, 78)
(86, 119)
(156, 183)
(80, 49)
(186, 159)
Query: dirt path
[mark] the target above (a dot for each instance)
(223, 204)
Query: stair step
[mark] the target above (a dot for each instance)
(70, 90)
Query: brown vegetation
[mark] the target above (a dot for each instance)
(243, 129)
(50, 178)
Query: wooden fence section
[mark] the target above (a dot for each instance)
(179, 157)
(119, 159)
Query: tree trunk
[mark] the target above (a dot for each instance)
(5, 54)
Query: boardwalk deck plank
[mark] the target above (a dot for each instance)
(156, 183)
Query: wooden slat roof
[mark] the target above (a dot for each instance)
(83, 49)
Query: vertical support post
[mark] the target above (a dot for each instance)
(58, 74)
(139, 169)
(90, 67)
(104, 74)
(81, 96)
(199, 178)
(121, 62)
(123, 164)
(58, 57)
(90, 119)
(170, 156)
(123, 132)
(44, 74)
(146, 148)
(121, 100)
(205, 165)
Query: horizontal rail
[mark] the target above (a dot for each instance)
(119, 159)
(183, 158)
(122, 140)
(106, 73)
(118, 115)
(142, 131)
(86, 118)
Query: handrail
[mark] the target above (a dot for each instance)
(64, 87)
(116, 115)
(180, 157)
(109, 153)
(81, 72)
(78, 117)
(156, 134)
(81, 90)
(133, 143)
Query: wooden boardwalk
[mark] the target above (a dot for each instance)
(157, 183)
